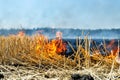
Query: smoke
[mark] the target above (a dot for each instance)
(68, 33)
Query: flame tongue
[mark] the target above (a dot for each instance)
(55, 46)
(51, 47)
(113, 48)
(59, 45)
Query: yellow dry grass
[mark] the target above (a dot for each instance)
(35, 50)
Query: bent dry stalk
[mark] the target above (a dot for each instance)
(39, 50)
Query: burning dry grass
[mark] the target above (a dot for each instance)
(38, 50)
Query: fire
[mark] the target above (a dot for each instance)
(55, 46)
(59, 46)
(51, 47)
(41, 42)
(114, 49)
(109, 52)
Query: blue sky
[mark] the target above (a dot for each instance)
(83, 14)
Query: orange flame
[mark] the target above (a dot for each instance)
(60, 46)
(54, 46)
(57, 45)
(114, 50)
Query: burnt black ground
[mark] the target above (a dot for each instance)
(81, 77)
(1, 76)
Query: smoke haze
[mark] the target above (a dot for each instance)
(82, 14)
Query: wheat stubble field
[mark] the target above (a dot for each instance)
(37, 57)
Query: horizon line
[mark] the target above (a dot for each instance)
(57, 28)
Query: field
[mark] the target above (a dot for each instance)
(37, 57)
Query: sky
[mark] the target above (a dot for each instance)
(82, 14)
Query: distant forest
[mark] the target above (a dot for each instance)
(67, 33)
